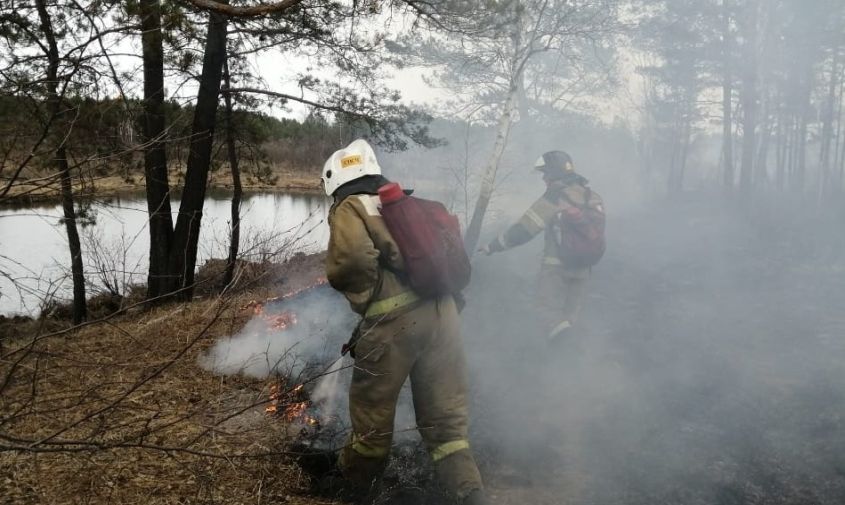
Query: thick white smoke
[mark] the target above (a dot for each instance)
(323, 323)
(307, 351)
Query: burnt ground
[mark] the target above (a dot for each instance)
(708, 367)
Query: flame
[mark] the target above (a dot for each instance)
(291, 405)
(281, 321)
(275, 396)
(285, 319)
(258, 307)
(317, 282)
(294, 411)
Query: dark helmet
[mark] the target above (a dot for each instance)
(556, 164)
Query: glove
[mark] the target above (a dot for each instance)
(460, 301)
(485, 250)
(349, 346)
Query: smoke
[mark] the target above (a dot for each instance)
(705, 369)
(706, 365)
(702, 369)
(307, 351)
(328, 391)
(323, 323)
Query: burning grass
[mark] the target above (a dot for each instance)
(120, 412)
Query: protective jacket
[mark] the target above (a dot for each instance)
(363, 260)
(539, 217)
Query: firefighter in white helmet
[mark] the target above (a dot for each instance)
(401, 335)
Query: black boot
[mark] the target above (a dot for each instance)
(336, 487)
(406, 496)
(476, 497)
(315, 462)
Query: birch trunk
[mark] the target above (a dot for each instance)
(488, 182)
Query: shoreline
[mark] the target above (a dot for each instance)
(24, 194)
(296, 272)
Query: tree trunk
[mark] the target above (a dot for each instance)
(54, 102)
(489, 180)
(727, 94)
(825, 177)
(682, 166)
(837, 164)
(761, 169)
(748, 95)
(80, 309)
(804, 112)
(801, 153)
(183, 254)
(792, 150)
(159, 283)
(677, 141)
(234, 240)
(841, 178)
(780, 152)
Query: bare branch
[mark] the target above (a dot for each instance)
(246, 12)
(299, 99)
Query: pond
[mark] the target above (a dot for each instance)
(34, 251)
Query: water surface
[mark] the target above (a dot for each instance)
(34, 251)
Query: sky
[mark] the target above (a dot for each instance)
(279, 70)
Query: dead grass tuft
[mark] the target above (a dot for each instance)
(120, 412)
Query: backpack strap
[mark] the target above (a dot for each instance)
(587, 195)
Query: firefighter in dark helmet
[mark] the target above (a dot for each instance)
(561, 285)
(401, 335)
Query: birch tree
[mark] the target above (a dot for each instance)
(499, 56)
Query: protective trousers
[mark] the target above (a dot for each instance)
(560, 296)
(423, 343)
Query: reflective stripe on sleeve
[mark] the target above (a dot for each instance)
(382, 307)
(535, 218)
(551, 260)
(559, 328)
(449, 448)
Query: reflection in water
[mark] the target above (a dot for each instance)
(34, 251)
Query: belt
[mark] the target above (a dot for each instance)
(551, 260)
(382, 307)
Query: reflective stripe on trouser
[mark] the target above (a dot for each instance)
(424, 344)
(560, 295)
(447, 449)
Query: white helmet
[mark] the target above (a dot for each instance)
(352, 162)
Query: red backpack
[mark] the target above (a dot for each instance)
(580, 231)
(429, 238)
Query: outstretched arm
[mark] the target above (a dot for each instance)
(529, 225)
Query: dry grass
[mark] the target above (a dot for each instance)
(120, 412)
